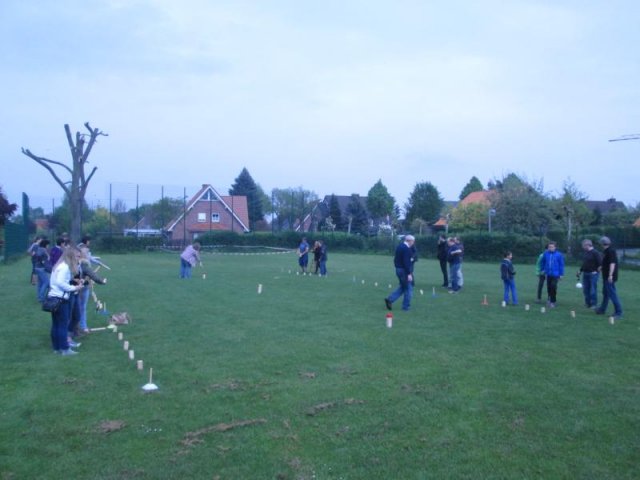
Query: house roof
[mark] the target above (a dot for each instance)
(605, 206)
(240, 210)
(481, 196)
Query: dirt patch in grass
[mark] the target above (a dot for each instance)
(193, 438)
(321, 407)
(109, 426)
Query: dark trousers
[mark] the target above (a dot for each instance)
(541, 279)
(59, 326)
(552, 288)
(609, 293)
(445, 275)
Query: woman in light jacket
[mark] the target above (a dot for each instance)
(61, 286)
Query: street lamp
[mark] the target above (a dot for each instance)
(492, 213)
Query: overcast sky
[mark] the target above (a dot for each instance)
(328, 95)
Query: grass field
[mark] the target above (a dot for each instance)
(305, 381)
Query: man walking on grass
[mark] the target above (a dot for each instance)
(609, 279)
(403, 263)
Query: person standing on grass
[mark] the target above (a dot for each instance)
(461, 247)
(541, 277)
(609, 279)
(323, 258)
(442, 258)
(508, 273)
(62, 287)
(56, 252)
(189, 258)
(403, 264)
(454, 257)
(590, 269)
(32, 251)
(553, 267)
(303, 255)
(86, 277)
(42, 267)
(316, 256)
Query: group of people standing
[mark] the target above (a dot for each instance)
(450, 252)
(65, 273)
(550, 268)
(319, 256)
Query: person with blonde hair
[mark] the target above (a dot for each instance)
(62, 287)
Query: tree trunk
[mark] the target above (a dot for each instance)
(76, 189)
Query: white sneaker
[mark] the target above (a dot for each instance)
(68, 351)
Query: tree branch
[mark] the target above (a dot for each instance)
(95, 132)
(69, 137)
(45, 163)
(86, 183)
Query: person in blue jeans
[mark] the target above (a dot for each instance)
(403, 263)
(609, 279)
(189, 258)
(42, 267)
(303, 255)
(454, 257)
(508, 273)
(61, 287)
(590, 269)
(323, 258)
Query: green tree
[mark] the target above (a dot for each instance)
(291, 205)
(424, 202)
(245, 185)
(572, 210)
(336, 214)
(358, 218)
(520, 207)
(6, 209)
(163, 211)
(474, 185)
(473, 216)
(61, 218)
(100, 222)
(379, 202)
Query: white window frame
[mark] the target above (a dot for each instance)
(215, 218)
(202, 217)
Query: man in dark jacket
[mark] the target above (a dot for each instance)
(590, 269)
(609, 279)
(403, 263)
(442, 258)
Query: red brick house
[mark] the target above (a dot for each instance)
(208, 211)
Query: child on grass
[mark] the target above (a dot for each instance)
(507, 273)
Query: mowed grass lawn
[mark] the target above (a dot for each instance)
(305, 381)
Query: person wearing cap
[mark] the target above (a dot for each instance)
(609, 279)
(589, 270)
(403, 263)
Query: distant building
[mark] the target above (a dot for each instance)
(482, 197)
(606, 206)
(209, 211)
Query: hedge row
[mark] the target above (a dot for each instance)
(480, 246)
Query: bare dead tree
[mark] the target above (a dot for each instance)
(76, 188)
